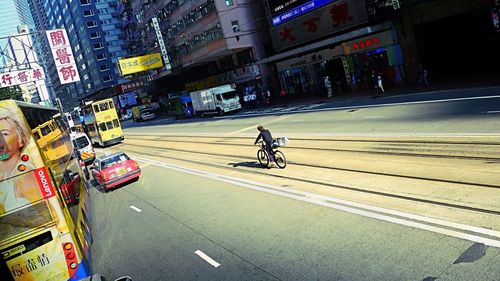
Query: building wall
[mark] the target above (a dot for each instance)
(94, 36)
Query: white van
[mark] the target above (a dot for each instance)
(81, 142)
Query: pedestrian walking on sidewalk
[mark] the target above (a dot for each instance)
(422, 76)
(328, 86)
(283, 95)
(380, 86)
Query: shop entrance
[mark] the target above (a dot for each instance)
(459, 48)
(361, 66)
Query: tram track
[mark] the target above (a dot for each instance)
(413, 148)
(138, 149)
(309, 165)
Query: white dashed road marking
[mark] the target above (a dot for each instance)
(135, 209)
(457, 230)
(207, 258)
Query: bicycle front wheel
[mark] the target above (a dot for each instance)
(262, 157)
(280, 159)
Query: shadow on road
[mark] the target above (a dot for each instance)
(101, 189)
(247, 164)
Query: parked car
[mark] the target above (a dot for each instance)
(127, 116)
(114, 169)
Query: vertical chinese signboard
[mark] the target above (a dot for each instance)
(161, 43)
(63, 56)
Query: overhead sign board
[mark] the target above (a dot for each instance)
(13, 78)
(139, 64)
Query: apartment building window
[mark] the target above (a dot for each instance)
(88, 13)
(101, 57)
(107, 78)
(84, 2)
(94, 35)
(91, 23)
(103, 67)
(98, 46)
(229, 2)
(236, 26)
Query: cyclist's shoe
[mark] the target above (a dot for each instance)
(272, 164)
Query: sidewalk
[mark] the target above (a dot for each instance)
(397, 90)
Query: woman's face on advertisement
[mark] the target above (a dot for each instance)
(9, 140)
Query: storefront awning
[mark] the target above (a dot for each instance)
(327, 42)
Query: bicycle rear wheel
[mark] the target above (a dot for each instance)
(262, 157)
(280, 159)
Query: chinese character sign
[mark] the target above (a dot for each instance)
(63, 56)
(13, 78)
(330, 18)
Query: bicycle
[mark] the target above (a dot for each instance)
(263, 157)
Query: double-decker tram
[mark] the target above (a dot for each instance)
(102, 123)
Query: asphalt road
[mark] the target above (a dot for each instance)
(264, 226)
(255, 235)
(468, 111)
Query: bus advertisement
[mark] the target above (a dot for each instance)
(45, 232)
(102, 124)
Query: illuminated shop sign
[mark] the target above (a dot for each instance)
(292, 9)
(366, 43)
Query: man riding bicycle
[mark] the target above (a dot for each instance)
(268, 140)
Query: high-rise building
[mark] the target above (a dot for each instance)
(19, 49)
(96, 42)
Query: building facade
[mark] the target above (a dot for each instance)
(206, 42)
(349, 40)
(96, 44)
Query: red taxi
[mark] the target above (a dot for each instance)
(114, 169)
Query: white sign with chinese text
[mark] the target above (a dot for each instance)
(63, 56)
(331, 18)
(161, 43)
(13, 78)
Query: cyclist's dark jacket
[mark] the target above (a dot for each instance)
(266, 136)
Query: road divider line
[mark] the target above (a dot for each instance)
(135, 209)
(379, 213)
(263, 123)
(207, 258)
(489, 112)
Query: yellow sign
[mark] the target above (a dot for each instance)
(138, 64)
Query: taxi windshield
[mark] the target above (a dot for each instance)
(113, 160)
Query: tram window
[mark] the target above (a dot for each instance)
(45, 130)
(102, 127)
(115, 123)
(96, 108)
(111, 104)
(103, 106)
(109, 124)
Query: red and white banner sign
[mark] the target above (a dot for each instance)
(46, 187)
(63, 56)
(19, 77)
(331, 18)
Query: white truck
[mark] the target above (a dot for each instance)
(220, 100)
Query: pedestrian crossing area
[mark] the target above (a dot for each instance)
(281, 109)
